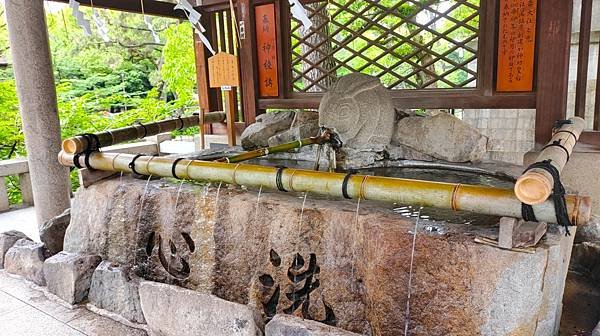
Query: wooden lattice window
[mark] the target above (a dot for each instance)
(408, 44)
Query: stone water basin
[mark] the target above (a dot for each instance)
(320, 259)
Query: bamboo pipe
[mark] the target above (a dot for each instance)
(535, 186)
(486, 200)
(80, 144)
(326, 137)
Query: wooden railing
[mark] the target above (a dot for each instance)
(15, 167)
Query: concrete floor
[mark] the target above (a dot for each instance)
(26, 311)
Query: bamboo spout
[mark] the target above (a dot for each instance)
(486, 200)
(535, 186)
(80, 144)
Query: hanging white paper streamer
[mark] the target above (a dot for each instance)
(194, 18)
(102, 28)
(151, 27)
(300, 13)
(81, 21)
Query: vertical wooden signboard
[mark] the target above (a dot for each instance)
(516, 45)
(266, 43)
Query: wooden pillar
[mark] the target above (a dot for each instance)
(583, 56)
(37, 102)
(553, 51)
(249, 74)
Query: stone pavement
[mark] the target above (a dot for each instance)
(23, 220)
(26, 311)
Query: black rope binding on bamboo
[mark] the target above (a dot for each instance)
(558, 196)
(93, 142)
(567, 131)
(144, 127)
(345, 184)
(174, 167)
(556, 143)
(181, 121)
(560, 123)
(279, 179)
(76, 161)
(86, 160)
(132, 164)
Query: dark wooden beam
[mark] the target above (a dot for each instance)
(151, 7)
(553, 49)
(406, 99)
(583, 57)
(249, 73)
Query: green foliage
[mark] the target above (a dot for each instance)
(179, 69)
(94, 77)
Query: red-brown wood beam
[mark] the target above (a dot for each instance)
(248, 69)
(553, 49)
(583, 57)
(158, 8)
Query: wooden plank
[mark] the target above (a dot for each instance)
(583, 57)
(88, 177)
(486, 64)
(248, 59)
(201, 59)
(519, 233)
(553, 51)
(516, 45)
(266, 40)
(14, 167)
(151, 7)
(26, 190)
(230, 100)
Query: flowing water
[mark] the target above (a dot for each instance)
(137, 230)
(410, 272)
(355, 238)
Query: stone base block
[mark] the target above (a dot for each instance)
(26, 258)
(69, 275)
(174, 311)
(7, 240)
(114, 290)
(287, 325)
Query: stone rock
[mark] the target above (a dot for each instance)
(175, 311)
(69, 275)
(306, 116)
(240, 247)
(301, 131)
(442, 136)
(52, 232)
(266, 125)
(590, 232)
(401, 152)
(116, 290)
(26, 258)
(586, 258)
(287, 325)
(359, 108)
(7, 240)
(596, 331)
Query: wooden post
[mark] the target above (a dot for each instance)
(230, 112)
(553, 49)
(249, 73)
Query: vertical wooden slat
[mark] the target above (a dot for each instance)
(249, 73)
(217, 97)
(583, 57)
(222, 34)
(202, 84)
(554, 42)
(487, 36)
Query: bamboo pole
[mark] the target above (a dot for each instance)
(80, 144)
(535, 186)
(286, 147)
(486, 200)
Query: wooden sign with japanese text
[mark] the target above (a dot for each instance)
(516, 45)
(266, 43)
(223, 70)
